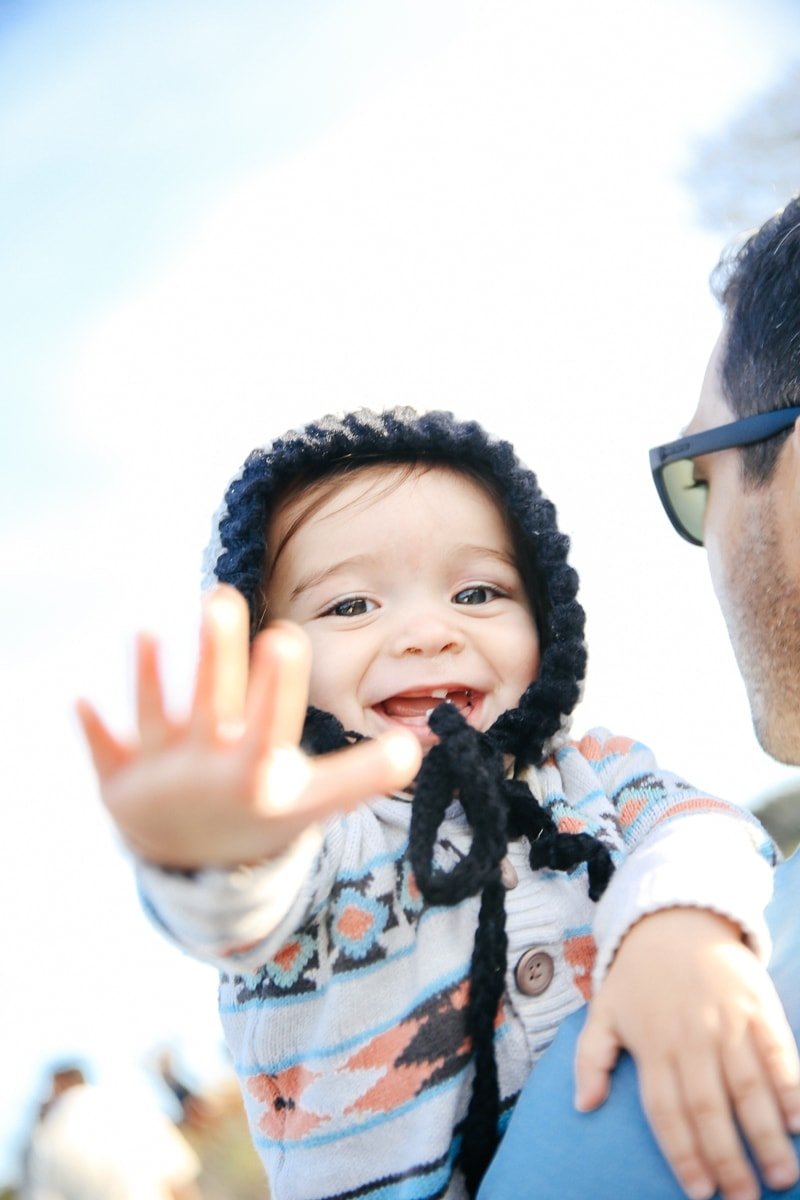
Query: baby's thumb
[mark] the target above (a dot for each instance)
(344, 778)
(595, 1058)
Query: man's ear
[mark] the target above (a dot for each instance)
(792, 448)
(794, 436)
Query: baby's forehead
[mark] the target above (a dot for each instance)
(363, 485)
(355, 493)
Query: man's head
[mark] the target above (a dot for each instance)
(63, 1078)
(758, 285)
(66, 1076)
(742, 499)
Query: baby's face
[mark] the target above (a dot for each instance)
(408, 590)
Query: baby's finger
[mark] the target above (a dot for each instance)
(595, 1057)
(221, 684)
(108, 754)
(341, 780)
(664, 1105)
(759, 1115)
(777, 1050)
(709, 1104)
(150, 714)
(277, 698)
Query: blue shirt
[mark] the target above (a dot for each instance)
(550, 1150)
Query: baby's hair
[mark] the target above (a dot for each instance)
(318, 489)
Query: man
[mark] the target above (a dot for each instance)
(95, 1143)
(732, 483)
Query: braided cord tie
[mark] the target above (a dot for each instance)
(469, 766)
(551, 849)
(465, 765)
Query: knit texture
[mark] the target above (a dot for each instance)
(465, 763)
(343, 994)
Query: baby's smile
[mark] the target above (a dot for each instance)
(413, 707)
(422, 703)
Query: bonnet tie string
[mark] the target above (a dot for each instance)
(549, 848)
(468, 766)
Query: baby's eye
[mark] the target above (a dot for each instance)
(478, 593)
(352, 606)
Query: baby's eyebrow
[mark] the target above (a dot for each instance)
(484, 552)
(316, 577)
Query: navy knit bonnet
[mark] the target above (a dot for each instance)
(465, 763)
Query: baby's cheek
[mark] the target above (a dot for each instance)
(318, 692)
(525, 655)
(329, 688)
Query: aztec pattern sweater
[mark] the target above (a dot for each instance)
(342, 992)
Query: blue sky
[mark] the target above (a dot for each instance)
(121, 125)
(217, 223)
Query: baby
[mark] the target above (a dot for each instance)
(394, 962)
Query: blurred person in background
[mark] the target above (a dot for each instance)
(195, 1111)
(94, 1142)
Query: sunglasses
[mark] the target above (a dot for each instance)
(684, 497)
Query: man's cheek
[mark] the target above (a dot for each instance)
(716, 567)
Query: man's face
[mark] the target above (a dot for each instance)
(752, 534)
(408, 589)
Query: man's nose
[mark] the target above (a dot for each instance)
(428, 632)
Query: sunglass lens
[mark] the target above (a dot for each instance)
(687, 497)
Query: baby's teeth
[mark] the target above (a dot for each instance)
(440, 693)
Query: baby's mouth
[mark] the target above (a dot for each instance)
(417, 706)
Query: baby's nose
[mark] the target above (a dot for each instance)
(429, 634)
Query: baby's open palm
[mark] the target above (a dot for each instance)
(228, 784)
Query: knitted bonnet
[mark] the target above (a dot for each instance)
(464, 764)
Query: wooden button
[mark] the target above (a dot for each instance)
(508, 875)
(534, 972)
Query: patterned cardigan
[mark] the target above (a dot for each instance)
(342, 992)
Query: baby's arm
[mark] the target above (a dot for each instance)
(227, 784)
(700, 1016)
(694, 1005)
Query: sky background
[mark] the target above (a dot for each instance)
(220, 221)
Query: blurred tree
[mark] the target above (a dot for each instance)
(779, 812)
(742, 174)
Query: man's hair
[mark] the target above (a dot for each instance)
(67, 1075)
(758, 284)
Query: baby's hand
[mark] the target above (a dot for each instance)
(700, 1015)
(228, 784)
